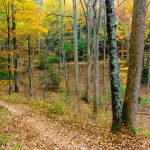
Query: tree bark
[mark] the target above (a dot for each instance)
(97, 30)
(9, 50)
(104, 53)
(88, 76)
(75, 33)
(29, 68)
(15, 49)
(96, 59)
(114, 68)
(148, 83)
(62, 49)
(136, 52)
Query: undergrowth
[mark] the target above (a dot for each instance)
(145, 100)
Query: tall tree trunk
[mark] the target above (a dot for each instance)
(15, 48)
(114, 67)
(88, 76)
(136, 51)
(97, 30)
(29, 68)
(148, 83)
(9, 50)
(96, 73)
(75, 33)
(63, 50)
(104, 53)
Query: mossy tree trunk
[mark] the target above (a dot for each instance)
(114, 68)
(136, 52)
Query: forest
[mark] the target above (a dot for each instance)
(74, 74)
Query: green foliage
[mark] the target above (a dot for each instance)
(50, 81)
(56, 106)
(15, 148)
(2, 60)
(68, 47)
(105, 98)
(42, 63)
(144, 78)
(3, 76)
(142, 132)
(45, 61)
(82, 48)
(145, 100)
(5, 138)
(123, 90)
(53, 59)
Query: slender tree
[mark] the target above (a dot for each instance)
(104, 53)
(148, 83)
(88, 75)
(75, 33)
(15, 49)
(62, 48)
(96, 58)
(8, 45)
(136, 52)
(29, 67)
(114, 67)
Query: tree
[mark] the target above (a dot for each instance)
(136, 52)
(88, 75)
(114, 68)
(75, 33)
(7, 7)
(96, 58)
(148, 83)
(15, 49)
(62, 48)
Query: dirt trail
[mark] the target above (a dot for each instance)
(33, 131)
(49, 133)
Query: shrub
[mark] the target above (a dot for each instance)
(50, 81)
(5, 138)
(53, 59)
(82, 48)
(68, 46)
(145, 100)
(56, 108)
(3, 76)
(43, 62)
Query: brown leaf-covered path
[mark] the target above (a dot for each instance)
(33, 131)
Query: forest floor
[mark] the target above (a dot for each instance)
(58, 121)
(26, 129)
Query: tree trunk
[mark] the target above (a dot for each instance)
(29, 68)
(15, 48)
(97, 30)
(136, 52)
(88, 76)
(9, 50)
(104, 53)
(75, 33)
(62, 49)
(96, 73)
(148, 83)
(114, 68)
